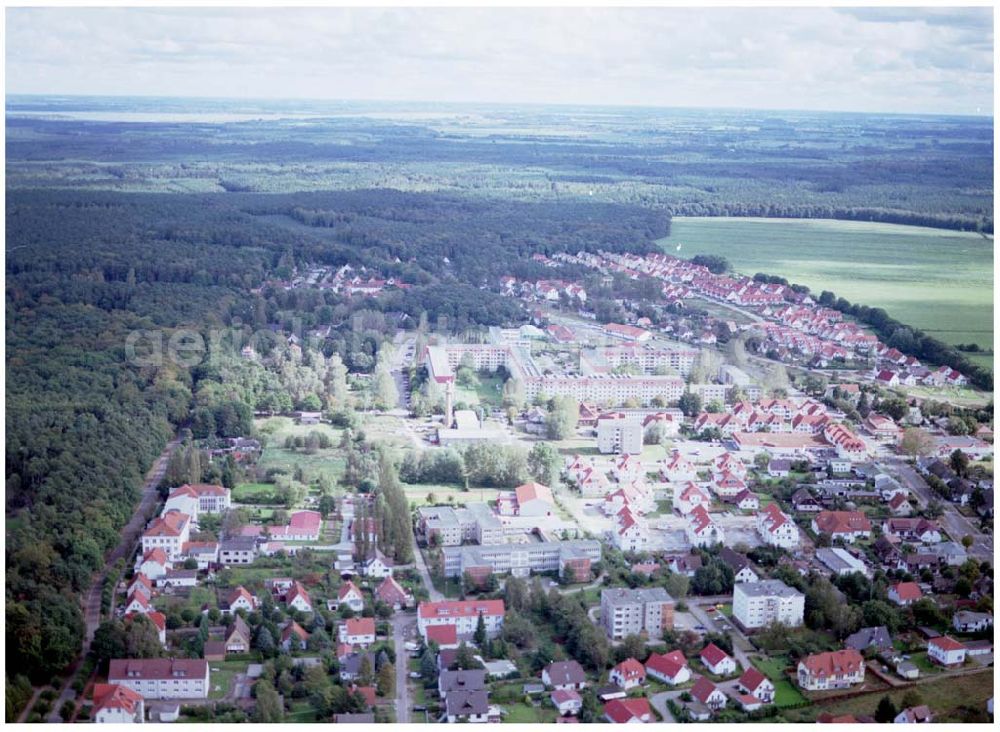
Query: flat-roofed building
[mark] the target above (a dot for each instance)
(757, 604)
(631, 612)
(521, 559)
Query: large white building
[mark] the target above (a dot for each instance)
(162, 678)
(600, 388)
(631, 612)
(758, 604)
(619, 434)
(168, 532)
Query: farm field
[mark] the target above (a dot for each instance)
(939, 281)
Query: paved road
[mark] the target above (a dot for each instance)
(418, 560)
(130, 537)
(659, 703)
(402, 626)
(741, 646)
(952, 521)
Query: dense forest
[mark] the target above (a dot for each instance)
(932, 171)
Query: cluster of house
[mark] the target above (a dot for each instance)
(346, 279)
(543, 290)
(895, 369)
(796, 327)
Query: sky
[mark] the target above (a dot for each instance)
(885, 59)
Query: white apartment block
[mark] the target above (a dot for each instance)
(162, 678)
(758, 604)
(619, 435)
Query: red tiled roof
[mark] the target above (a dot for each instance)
(703, 689)
(533, 491)
(360, 626)
(713, 655)
(833, 663)
(666, 664)
(346, 589)
(460, 608)
(443, 635)
(752, 679)
(622, 711)
(908, 591)
(630, 669)
(946, 643)
(170, 524)
(116, 696)
(842, 522)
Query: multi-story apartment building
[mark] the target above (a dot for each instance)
(757, 604)
(627, 612)
(475, 522)
(162, 678)
(619, 434)
(521, 560)
(441, 362)
(463, 614)
(648, 359)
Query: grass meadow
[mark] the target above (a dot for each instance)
(939, 281)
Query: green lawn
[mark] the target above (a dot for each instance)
(222, 673)
(939, 281)
(926, 666)
(522, 713)
(196, 599)
(785, 692)
(485, 392)
(418, 494)
(243, 491)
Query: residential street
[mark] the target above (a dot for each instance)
(952, 521)
(130, 537)
(402, 626)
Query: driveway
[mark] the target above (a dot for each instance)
(659, 703)
(418, 560)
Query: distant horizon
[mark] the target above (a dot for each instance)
(864, 60)
(451, 103)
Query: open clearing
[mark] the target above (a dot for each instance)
(937, 280)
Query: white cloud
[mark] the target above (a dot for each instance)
(875, 59)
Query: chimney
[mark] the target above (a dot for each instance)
(449, 398)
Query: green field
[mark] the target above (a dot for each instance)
(939, 281)
(329, 462)
(947, 697)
